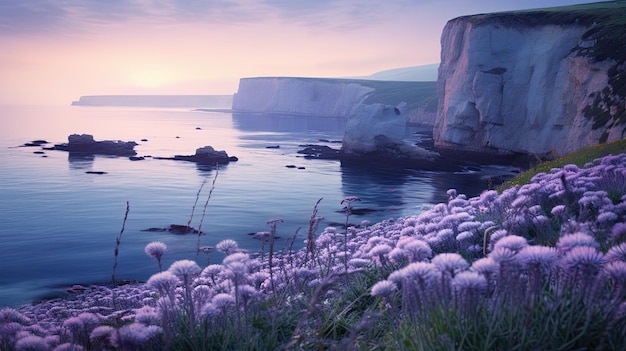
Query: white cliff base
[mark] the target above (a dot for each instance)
(378, 131)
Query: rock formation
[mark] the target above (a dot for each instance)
(205, 155)
(375, 135)
(535, 82)
(308, 96)
(326, 97)
(85, 144)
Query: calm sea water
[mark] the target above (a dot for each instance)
(59, 223)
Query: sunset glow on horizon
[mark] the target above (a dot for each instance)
(54, 52)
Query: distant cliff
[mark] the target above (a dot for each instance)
(543, 82)
(181, 101)
(333, 97)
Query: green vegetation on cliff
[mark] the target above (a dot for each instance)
(579, 158)
(603, 41)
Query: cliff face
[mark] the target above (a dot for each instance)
(528, 83)
(333, 97)
(298, 96)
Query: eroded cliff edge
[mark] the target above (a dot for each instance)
(542, 82)
(331, 97)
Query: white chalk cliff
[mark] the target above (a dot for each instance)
(378, 131)
(521, 83)
(329, 97)
(307, 96)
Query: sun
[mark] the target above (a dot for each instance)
(151, 78)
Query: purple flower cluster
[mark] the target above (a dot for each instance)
(563, 233)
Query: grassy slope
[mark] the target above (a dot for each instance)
(415, 94)
(579, 158)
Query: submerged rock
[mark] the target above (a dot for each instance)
(38, 142)
(321, 152)
(178, 229)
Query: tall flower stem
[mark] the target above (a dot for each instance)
(118, 241)
(206, 203)
(310, 239)
(195, 203)
(348, 208)
(272, 223)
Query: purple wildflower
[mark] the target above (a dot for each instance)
(512, 242)
(503, 254)
(100, 335)
(165, 282)
(380, 249)
(407, 231)
(238, 268)
(558, 211)
(10, 315)
(469, 282)
(418, 250)
(607, 217)
(398, 255)
(466, 235)
(450, 263)
(520, 201)
(32, 343)
(537, 257)
(155, 249)
(446, 233)
(570, 241)
(616, 271)
(135, 336)
(359, 262)
(383, 288)
(417, 270)
(452, 193)
(496, 235)
(146, 315)
(468, 226)
(240, 257)
(486, 266)
(618, 233)
(616, 253)
(184, 268)
(222, 300)
(227, 246)
(584, 259)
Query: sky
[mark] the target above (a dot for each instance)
(54, 51)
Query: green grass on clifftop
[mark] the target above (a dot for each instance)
(579, 158)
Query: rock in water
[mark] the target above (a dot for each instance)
(207, 155)
(375, 136)
(85, 144)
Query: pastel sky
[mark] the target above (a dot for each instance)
(52, 52)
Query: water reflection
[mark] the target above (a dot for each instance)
(382, 190)
(255, 122)
(80, 162)
(469, 183)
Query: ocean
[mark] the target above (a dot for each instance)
(60, 215)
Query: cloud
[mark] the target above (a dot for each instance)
(19, 17)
